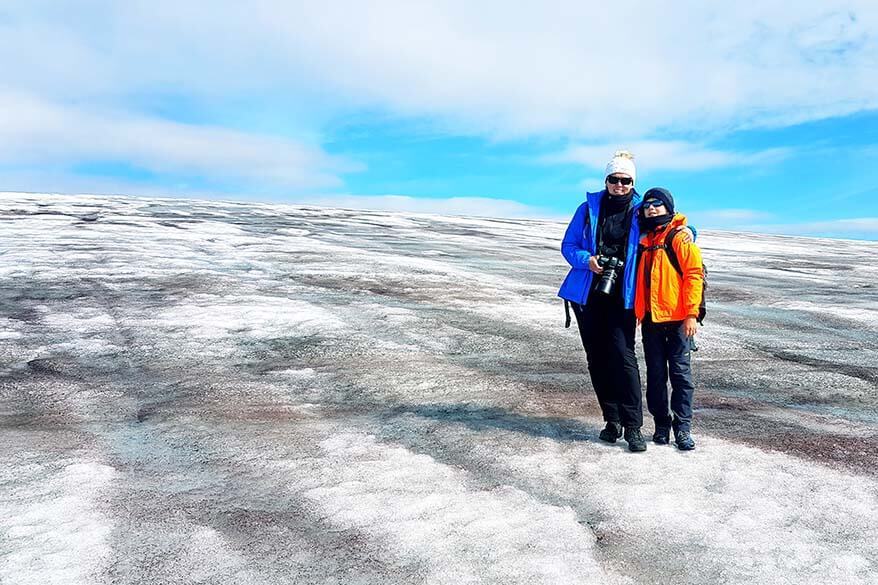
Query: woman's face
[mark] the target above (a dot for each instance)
(615, 184)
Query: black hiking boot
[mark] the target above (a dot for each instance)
(661, 436)
(684, 441)
(635, 440)
(611, 432)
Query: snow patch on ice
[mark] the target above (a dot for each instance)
(772, 513)
(208, 316)
(861, 315)
(435, 516)
(87, 320)
(55, 529)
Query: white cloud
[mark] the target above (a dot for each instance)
(605, 74)
(35, 131)
(752, 220)
(676, 155)
(725, 217)
(591, 183)
(70, 184)
(865, 228)
(588, 69)
(475, 206)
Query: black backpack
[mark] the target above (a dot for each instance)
(675, 262)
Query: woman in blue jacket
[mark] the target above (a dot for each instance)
(605, 227)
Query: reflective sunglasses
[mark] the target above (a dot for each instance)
(653, 203)
(615, 180)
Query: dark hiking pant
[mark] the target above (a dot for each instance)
(666, 349)
(607, 331)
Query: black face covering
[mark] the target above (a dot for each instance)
(647, 224)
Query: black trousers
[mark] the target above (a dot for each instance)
(667, 350)
(607, 331)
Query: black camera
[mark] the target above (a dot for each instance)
(612, 267)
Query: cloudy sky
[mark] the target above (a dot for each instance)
(757, 117)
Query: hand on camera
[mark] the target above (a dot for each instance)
(594, 266)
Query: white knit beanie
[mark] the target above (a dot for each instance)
(622, 163)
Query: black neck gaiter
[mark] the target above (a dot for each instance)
(616, 203)
(615, 222)
(647, 224)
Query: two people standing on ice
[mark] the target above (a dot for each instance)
(621, 273)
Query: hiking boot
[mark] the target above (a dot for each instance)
(684, 441)
(611, 432)
(661, 436)
(635, 440)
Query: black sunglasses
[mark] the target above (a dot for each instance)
(615, 180)
(653, 203)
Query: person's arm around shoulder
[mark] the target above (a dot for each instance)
(689, 255)
(688, 233)
(575, 245)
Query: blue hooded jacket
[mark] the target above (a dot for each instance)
(579, 245)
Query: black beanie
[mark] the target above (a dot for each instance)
(663, 195)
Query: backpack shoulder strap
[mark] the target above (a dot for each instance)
(669, 248)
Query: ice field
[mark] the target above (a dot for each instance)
(207, 392)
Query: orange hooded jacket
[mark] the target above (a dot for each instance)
(667, 295)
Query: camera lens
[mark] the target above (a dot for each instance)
(611, 271)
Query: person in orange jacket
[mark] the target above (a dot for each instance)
(666, 303)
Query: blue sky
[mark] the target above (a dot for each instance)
(756, 118)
